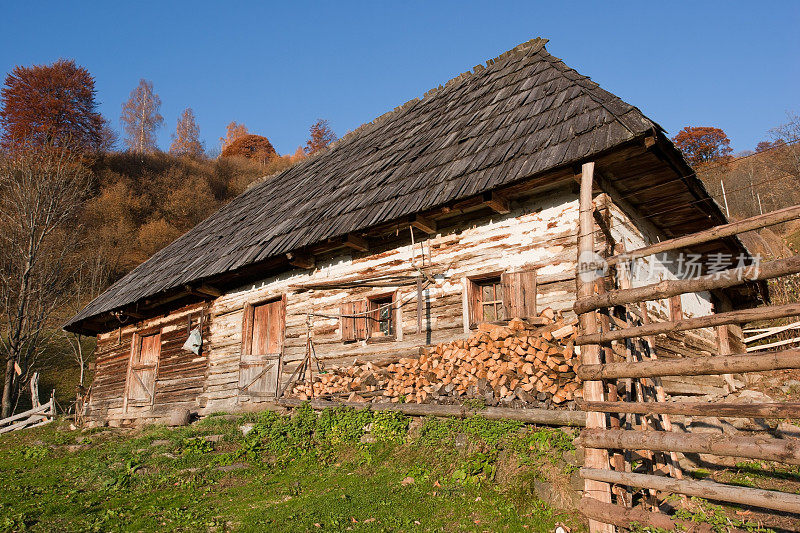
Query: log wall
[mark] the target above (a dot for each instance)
(180, 377)
(538, 233)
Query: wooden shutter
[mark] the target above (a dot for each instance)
(144, 363)
(347, 324)
(473, 299)
(519, 294)
(360, 321)
(353, 327)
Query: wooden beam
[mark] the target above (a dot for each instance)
(720, 410)
(674, 287)
(355, 242)
(301, 259)
(765, 449)
(496, 203)
(547, 417)
(731, 317)
(767, 499)
(712, 234)
(694, 366)
(209, 290)
(628, 516)
(423, 223)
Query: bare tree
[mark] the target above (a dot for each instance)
(186, 140)
(41, 192)
(141, 118)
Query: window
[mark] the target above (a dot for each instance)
(381, 320)
(490, 300)
(373, 319)
(501, 297)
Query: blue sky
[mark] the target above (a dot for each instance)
(279, 66)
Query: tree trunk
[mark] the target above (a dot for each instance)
(8, 387)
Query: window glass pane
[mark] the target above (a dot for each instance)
(489, 314)
(487, 295)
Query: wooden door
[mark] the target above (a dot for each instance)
(144, 365)
(262, 345)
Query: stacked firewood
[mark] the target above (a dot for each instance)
(528, 361)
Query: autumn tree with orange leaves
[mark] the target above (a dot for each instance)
(233, 131)
(253, 147)
(703, 144)
(51, 105)
(321, 135)
(186, 139)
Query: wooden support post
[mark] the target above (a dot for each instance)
(770, 449)
(767, 499)
(595, 458)
(733, 317)
(420, 305)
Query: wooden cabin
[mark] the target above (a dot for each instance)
(453, 209)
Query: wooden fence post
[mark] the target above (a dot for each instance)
(590, 353)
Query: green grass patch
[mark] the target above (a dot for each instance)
(308, 472)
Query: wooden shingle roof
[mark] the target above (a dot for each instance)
(523, 113)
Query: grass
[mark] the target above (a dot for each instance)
(307, 473)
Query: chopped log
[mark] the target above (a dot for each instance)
(769, 449)
(712, 234)
(719, 319)
(546, 417)
(628, 516)
(767, 499)
(695, 366)
(674, 287)
(720, 410)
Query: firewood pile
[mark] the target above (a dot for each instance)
(526, 362)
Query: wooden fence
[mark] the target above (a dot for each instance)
(616, 339)
(38, 416)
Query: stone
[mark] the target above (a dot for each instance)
(751, 396)
(246, 428)
(786, 430)
(565, 499)
(407, 481)
(161, 442)
(214, 438)
(231, 467)
(179, 417)
(706, 424)
(368, 438)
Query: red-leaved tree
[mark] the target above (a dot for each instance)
(51, 105)
(702, 145)
(253, 147)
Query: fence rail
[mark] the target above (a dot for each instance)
(622, 378)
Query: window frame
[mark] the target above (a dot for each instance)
(248, 323)
(373, 300)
